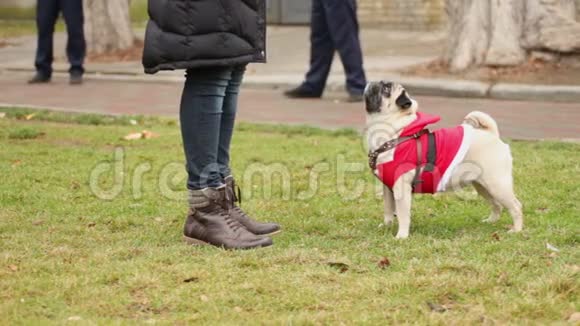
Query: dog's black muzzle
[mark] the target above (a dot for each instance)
(403, 101)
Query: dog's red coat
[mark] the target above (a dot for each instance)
(447, 143)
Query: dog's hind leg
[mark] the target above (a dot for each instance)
(504, 194)
(495, 205)
(389, 202)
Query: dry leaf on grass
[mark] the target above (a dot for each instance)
(574, 318)
(552, 248)
(191, 279)
(342, 267)
(29, 116)
(204, 298)
(91, 224)
(148, 134)
(145, 134)
(133, 136)
(495, 236)
(13, 268)
(436, 307)
(75, 185)
(384, 263)
(503, 278)
(574, 268)
(542, 209)
(2, 115)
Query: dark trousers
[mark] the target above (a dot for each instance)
(208, 110)
(47, 12)
(334, 27)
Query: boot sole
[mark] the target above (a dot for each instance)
(195, 242)
(272, 234)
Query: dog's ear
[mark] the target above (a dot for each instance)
(373, 103)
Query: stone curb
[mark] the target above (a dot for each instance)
(415, 85)
(556, 93)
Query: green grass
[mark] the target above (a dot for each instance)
(15, 22)
(68, 255)
(17, 28)
(138, 12)
(24, 133)
(83, 118)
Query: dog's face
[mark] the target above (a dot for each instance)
(388, 98)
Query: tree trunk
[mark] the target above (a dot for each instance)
(107, 25)
(504, 32)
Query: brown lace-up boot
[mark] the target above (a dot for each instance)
(238, 214)
(209, 222)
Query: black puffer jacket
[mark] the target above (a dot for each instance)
(184, 34)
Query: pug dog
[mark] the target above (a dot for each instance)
(409, 159)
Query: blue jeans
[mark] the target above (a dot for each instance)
(47, 12)
(207, 114)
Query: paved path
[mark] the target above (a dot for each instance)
(288, 53)
(519, 120)
(386, 54)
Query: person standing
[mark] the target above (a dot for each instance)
(47, 12)
(333, 27)
(212, 41)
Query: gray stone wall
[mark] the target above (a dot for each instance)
(408, 14)
(403, 14)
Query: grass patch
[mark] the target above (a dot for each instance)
(138, 12)
(17, 13)
(68, 255)
(83, 118)
(24, 133)
(17, 28)
(15, 22)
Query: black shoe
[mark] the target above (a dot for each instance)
(76, 79)
(354, 98)
(300, 92)
(39, 79)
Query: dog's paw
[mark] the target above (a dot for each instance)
(402, 236)
(490, 220)
(514, 230)
(388, 221)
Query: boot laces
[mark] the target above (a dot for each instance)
(237, 198)
(232, 223)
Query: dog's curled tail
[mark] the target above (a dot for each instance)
(481, 120)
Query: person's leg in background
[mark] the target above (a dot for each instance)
(208, 221)
(72, 11)
(321, 54)
(230, 105)
(344, 30)
(46, 16)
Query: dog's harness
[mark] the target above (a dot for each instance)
(431, 154)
